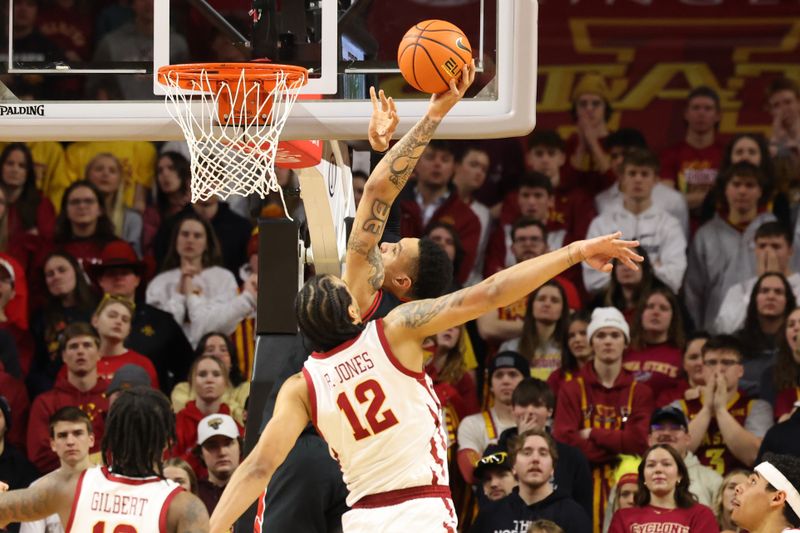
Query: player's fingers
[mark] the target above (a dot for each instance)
(373, 98)
(384, 102)
(392, 105)
(454, 87)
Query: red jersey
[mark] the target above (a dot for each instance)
(658, 520)
(690, 167)
(109, 364)
(712, 451)
(784, 401)
(658, 365)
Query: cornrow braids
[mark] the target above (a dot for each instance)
(139, 427)
(321, 308)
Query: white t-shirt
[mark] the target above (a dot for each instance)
(473, 431)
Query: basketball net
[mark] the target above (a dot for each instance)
(232, 152)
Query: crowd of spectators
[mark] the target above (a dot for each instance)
(599, 402)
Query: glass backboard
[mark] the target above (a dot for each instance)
(84, 69)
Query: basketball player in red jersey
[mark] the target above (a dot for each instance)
(127, 495)
(366, 392)
(410, 269)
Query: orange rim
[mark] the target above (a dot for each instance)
(189, 75)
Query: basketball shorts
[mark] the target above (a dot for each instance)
(432, 515)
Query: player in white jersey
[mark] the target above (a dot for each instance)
(129, 493)
(366, 390)
(769, 501)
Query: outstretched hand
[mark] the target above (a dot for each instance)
(599, 252)
(383, 121)
(442, 103)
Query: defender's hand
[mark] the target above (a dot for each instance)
(383, 121)
(599, 252)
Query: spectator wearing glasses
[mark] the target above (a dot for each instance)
(534, 456)
(83, 228)
(669, 425)
(495, 474)
(726, 426)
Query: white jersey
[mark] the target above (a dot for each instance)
(382, 421)
(107, 503)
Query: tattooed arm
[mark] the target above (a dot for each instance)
(50, 495)
(363, 264)
(414, 321)
(187, 514)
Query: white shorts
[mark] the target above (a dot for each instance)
(417, 515)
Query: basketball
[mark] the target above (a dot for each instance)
(431, 53)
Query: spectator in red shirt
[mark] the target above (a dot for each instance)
(471, 167)
(112, 318)
(604, 412)
(453, 381)
(657, 340)
(780, 383)
(82, 227)
(433, 199)
(572, 207)
(22, 337)
(14, 392)
(689, 385)
(575, 352)
(692, 164)
(209, 381)
(533, 200)
(591, 110)
(663, 499)
(80, 386)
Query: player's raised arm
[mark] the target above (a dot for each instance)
(363, 266)
(415, 321)
(292, 414)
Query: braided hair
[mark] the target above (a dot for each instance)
(139, 427)
(321, 307)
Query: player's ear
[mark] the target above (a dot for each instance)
(778, 499)
(402, 282)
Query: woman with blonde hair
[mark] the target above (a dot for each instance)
(209, 382)
(179, 471)
(723, 503)
(112, 320)
(105, 172)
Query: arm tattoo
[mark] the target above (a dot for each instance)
(26, 505)
(404, 155)
(380, 212)
(376, 268)
(416, 314)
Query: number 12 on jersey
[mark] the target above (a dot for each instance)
(377, 420)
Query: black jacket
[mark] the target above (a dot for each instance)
(17, 472)
(782, 438)
(511, 515)
(573, 476)
(156, 335)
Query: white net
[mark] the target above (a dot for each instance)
(234, 153)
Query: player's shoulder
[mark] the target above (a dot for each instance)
(187, 514)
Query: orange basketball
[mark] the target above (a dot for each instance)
(431, 53)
